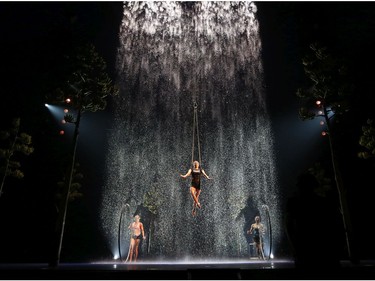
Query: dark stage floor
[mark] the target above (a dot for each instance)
(251, 269)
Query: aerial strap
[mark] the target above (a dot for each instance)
(195, 129)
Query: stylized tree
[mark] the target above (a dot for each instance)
(15, 142)
(327, 98)
(75, 188)
(86, 90)
(152, 202)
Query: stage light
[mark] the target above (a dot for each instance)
(67, 100)
(320, 112)
(318, 102)
(322, 123)
(324, 133)
(46, 104)
(66, 110)
(63, 121)
(62, 132)
(115, 257)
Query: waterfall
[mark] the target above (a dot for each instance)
(172, 54)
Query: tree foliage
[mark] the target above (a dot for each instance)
(75, 189)
(88, 84)
(152, 199)
(367, 140)
(328, 84)
(14, 143)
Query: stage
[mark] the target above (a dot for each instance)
(251, 269)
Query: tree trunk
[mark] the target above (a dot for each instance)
(60, 225)
(342, 194)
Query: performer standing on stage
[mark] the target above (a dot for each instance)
(257, 230)
(137, 232)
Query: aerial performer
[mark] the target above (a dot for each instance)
(196, 171)
(195, 187)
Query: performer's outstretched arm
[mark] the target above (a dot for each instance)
(186, 175)
(204, 173)
(250, 231)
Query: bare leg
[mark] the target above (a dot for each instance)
(259, 250)
(136, 249)
(197, 194)
(194, 192)
(131, 250)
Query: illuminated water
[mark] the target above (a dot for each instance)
(172, 54)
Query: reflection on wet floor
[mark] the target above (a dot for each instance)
(204, 269)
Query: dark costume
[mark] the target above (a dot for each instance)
(137, 236)
(256, 235)
(196, 178)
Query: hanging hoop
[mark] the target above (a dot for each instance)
(125, 211)
(267, 255)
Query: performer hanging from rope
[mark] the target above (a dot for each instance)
(195, 186)
(196, 171)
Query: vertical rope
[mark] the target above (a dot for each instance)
(196, 87)
(192, 148)
(199, 146)
(196, 128)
